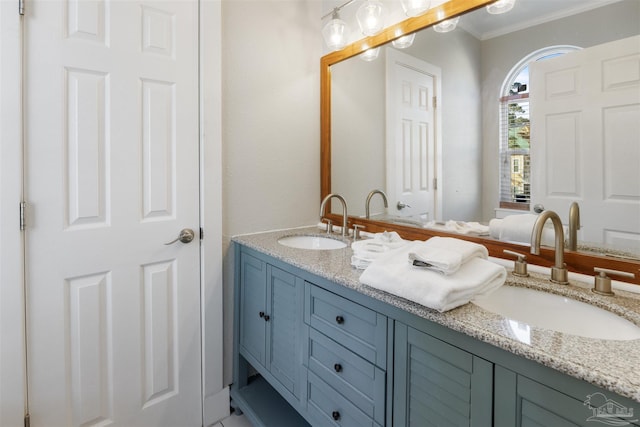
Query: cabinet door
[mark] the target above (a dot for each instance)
(253, 291)
(522, 402)
(437, 384)
(284, 327)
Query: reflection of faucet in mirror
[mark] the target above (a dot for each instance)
(344, 210)
(371, 193)
(559, 270)
(574, 226)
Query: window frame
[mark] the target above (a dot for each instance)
(506, 98)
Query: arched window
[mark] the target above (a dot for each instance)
(515, 168)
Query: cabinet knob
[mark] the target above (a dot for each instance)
(335, 415)
(339, 320)
(337, 367)
(266, 317)
(261, 314)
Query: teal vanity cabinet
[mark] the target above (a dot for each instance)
(538, 396)
(271, 334)
(437, 384)
(333, 353)
(346, 360)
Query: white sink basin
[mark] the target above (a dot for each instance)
(557, 313)
(312, 242)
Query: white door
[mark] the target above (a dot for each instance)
(112, 165)
(412, 123)
(585, 143)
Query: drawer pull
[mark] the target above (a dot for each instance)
(335, 415)
(337, 367)
(339, 320)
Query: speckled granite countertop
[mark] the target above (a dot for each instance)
(612, 365)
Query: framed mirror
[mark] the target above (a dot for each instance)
(472, 65)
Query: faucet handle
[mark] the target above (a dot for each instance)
(356, 231)
(520, 265)
(602, 282)
(329, 225)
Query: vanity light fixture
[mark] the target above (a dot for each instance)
(336, 32)
(415, 7)
(501, 6)
(371, 16)
(404, 41)
(370, 54)
(446, 25)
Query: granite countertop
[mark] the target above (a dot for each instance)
(612, 365)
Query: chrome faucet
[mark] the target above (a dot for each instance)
(559, 270)
(574, 226)
(366, 205)
(344, 210)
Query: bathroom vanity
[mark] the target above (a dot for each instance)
(314, 346)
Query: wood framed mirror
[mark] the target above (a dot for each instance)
(578, 262)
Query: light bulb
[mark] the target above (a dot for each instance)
(446, 25)
(335, 33)
(370, 54)
(501, 6)
(404, 41)
(370, 17)
(415, 7)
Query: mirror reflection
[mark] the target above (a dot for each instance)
(453, 131)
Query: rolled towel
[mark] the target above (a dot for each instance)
(443, 261)
(393, 274)
(495, 226)
(518, 228)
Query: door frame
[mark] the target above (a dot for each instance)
(395, 58)
(215, 393)
(13, 369)
(12, 314)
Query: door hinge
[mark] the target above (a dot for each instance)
(201, 233)
(435, 183)
(20, 7)
(23, 222)
(435, 102)
(27, 420)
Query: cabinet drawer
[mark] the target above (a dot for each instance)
(329, 408)
(358, 328)
(358, 380)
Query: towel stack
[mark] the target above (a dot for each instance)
(441, 273)
(365, 251)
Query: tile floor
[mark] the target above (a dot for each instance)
(234, 421)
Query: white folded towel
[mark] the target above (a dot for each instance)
(365, 251)
(390, 239)
(463, 227)
(444, 261)
(393, 274)
(466, 249)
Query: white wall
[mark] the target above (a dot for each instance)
(271, 123)
(358, 124)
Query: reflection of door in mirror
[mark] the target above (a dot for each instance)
(586, 111)
(412, 127)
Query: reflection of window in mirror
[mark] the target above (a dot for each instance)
(515, 170)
